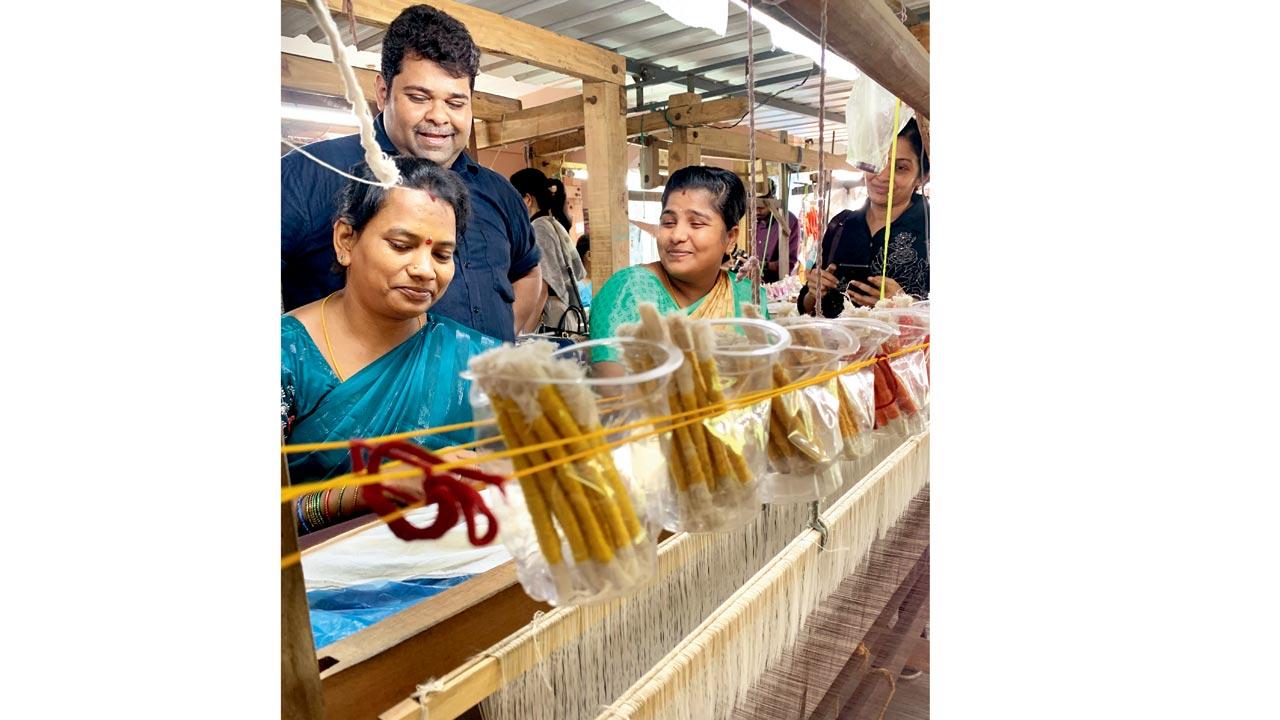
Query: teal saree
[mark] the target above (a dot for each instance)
(618, 303)
(416, 385)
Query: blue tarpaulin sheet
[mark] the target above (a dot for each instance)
(339, 612)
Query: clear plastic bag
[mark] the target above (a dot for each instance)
(903, 381)
(858, 397)
(578, 529)
(805, 429)
(869, 116)
(715, 464)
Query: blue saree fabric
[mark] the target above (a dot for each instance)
(416, 385)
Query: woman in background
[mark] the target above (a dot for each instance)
(559, 202)
(701, 207)
(560, 264)
(856, 237)
(584, 285)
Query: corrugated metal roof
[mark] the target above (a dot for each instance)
(640, 31)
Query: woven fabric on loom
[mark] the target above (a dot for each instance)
(816, 677)
(709, 673)
(585, 657)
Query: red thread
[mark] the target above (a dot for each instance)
(451, 495)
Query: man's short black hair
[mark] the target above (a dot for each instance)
(430, 34)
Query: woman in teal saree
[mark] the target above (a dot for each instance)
(701, 207)
(369, 360)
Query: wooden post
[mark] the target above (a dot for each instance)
(685, 147)
(300, 697)
(650, 175)
(605, 126)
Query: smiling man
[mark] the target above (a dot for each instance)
(424, 93)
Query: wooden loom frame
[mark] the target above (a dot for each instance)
(377, 670)
(378, 667)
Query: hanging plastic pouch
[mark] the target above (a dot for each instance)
(576, 523)
(858, 398)
(905, 378)
(806, 428)
(869, 112)
(715, 462)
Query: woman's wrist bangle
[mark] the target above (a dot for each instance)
(299, 512)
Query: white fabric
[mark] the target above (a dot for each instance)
(376, 554)
(710, 14)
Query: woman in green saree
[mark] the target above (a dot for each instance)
(701, 207)
(369, 360)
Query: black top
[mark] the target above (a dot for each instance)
(908, 250)
(497, 249)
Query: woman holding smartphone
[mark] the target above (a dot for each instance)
(853, 245)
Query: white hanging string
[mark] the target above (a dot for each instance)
(343, 173)
(382, 166)
(758, 253)
(822, 155)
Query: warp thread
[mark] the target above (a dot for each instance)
(432, 685)
(708, 672)
(382, 166)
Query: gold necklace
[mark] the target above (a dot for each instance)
(324, 328)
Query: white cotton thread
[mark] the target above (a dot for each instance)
(431, 686)
(382, 166)
(344, 174)
(537, 651)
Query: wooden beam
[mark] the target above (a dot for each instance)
(548, 119)
(549, 164)
(606, 136)
(300, 697)
(882, 47)
(681, 114)
(716, 141)
(321, 77)
(379, 666)
(921, 32)
(500, 35)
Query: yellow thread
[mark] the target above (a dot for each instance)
(358, 479)
(344, 444)
(888, 215)
(710, 411)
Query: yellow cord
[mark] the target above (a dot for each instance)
(888, 213)
(687, 417)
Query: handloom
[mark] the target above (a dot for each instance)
(696, 576)
(575, 662)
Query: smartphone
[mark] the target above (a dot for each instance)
(845, 273)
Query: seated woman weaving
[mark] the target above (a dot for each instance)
(701, 207)
(369, 360)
